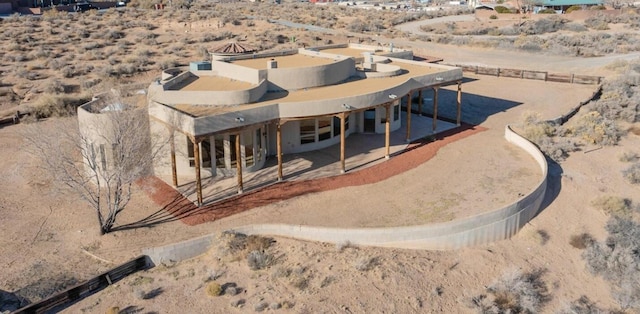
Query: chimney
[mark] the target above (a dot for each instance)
(272, 64)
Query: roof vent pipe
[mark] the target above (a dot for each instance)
(272, 64)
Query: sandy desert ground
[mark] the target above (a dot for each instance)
(50, 240)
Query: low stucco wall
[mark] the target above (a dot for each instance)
(308, 77)
(211, 98)
(492, 226)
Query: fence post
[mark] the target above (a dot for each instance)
(572, 78)
(498, 73)
(545, 76)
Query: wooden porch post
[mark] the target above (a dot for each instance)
(196, 159)
(387, 129)
(238, 163)
(174, 171)
(420, 102)
(342, 144)
(409, 119)
(459, 103)
(435, 108)
(279, 149)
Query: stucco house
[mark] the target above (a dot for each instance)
(225, 116)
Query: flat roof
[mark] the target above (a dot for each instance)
(286, 61)
(349, 88)
(215, 83)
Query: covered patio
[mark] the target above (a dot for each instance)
(360, 151)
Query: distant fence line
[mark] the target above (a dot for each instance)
(65, 298)
(532, 75)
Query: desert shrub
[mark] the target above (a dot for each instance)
(542, 236)
(597, 22)
(632, 173)
(54, 87)
(573, 8)
(581, 241)
(259, 260)
(528, 43)
(628, 156)
(493, 17)
(57, 105)
(596, 129)
(502, 9)
(514, 292)
(534, 128)
(575, 27)
(366, 263)
(542, 26)
(261, 306)
(557, 148)
(113, 310)
(581, 306)
(214, 289)
(612, 205)
(617, 260)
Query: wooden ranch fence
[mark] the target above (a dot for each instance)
(65, 298)
(532, 75)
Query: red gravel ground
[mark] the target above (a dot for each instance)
(181, 208)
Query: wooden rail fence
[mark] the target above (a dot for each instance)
(532, 75)
(65, 298)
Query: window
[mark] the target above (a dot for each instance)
(205, 153)
(324, 129)
(247, 141)
(396, 112)
(234, 156)
(219, 147)
(307, 131)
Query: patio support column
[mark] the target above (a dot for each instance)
(459, 102)
(196, 159)
(435, 108)
(279, 149)
(342, 139)
(420, 102)
(174, 172)
(387, 130)
(238, 163)
(409, 118)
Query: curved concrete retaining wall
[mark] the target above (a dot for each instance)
(180, 251)
(480, 229)
(382, 70)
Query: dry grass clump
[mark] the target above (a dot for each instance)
(596, 129)
(514, 292)
(543, 134)
(613, 205)
(57, 105)
(365, 263)
(237, 246)
(214, 289)
(628, 156)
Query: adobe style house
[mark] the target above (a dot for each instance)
(224, 117)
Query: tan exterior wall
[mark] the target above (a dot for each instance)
(239, 73)
(492, 226)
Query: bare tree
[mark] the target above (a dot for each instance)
(97, 155)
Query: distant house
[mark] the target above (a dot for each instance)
(560, 6)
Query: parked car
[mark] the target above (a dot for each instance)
(83, 6)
